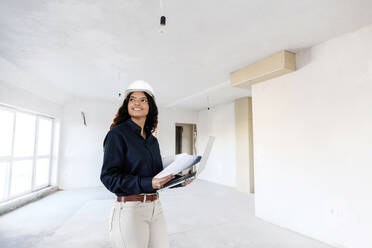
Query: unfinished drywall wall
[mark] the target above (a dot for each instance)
(313, 143)
(219, 121)
(82, 146)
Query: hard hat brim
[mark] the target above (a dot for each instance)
(127, 92)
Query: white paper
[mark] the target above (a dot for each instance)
(168, 160)
(181, 162)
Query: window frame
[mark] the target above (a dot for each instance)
(9, 160)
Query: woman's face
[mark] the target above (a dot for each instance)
(138, 105)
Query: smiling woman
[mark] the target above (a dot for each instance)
(131, 160)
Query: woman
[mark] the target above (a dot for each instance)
(131, 160)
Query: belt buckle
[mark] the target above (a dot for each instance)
(145, 196)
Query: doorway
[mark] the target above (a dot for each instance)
(185, 138)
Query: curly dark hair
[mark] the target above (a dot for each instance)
(151, 118)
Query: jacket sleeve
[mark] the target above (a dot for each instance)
(112, 173)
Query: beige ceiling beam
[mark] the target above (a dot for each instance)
(273, 66)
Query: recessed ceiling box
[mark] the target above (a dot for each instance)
(273, 66)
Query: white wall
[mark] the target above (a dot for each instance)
(23, 99)
(218, 122)
(82, 146)
(313, 143)
(168, 117)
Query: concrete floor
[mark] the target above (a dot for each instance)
(201, 215)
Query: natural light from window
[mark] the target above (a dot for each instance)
(25, 152)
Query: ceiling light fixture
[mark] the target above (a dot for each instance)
(163, 19)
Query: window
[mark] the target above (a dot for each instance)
(25, 152)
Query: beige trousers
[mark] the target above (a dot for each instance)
(137, 224)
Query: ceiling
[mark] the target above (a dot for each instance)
(94, 48)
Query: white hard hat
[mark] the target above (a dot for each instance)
(139, 85)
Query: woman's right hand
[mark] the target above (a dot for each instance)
(158, 183)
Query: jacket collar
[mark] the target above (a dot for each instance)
(135, 128)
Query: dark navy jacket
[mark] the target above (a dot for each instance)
(130, 162)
